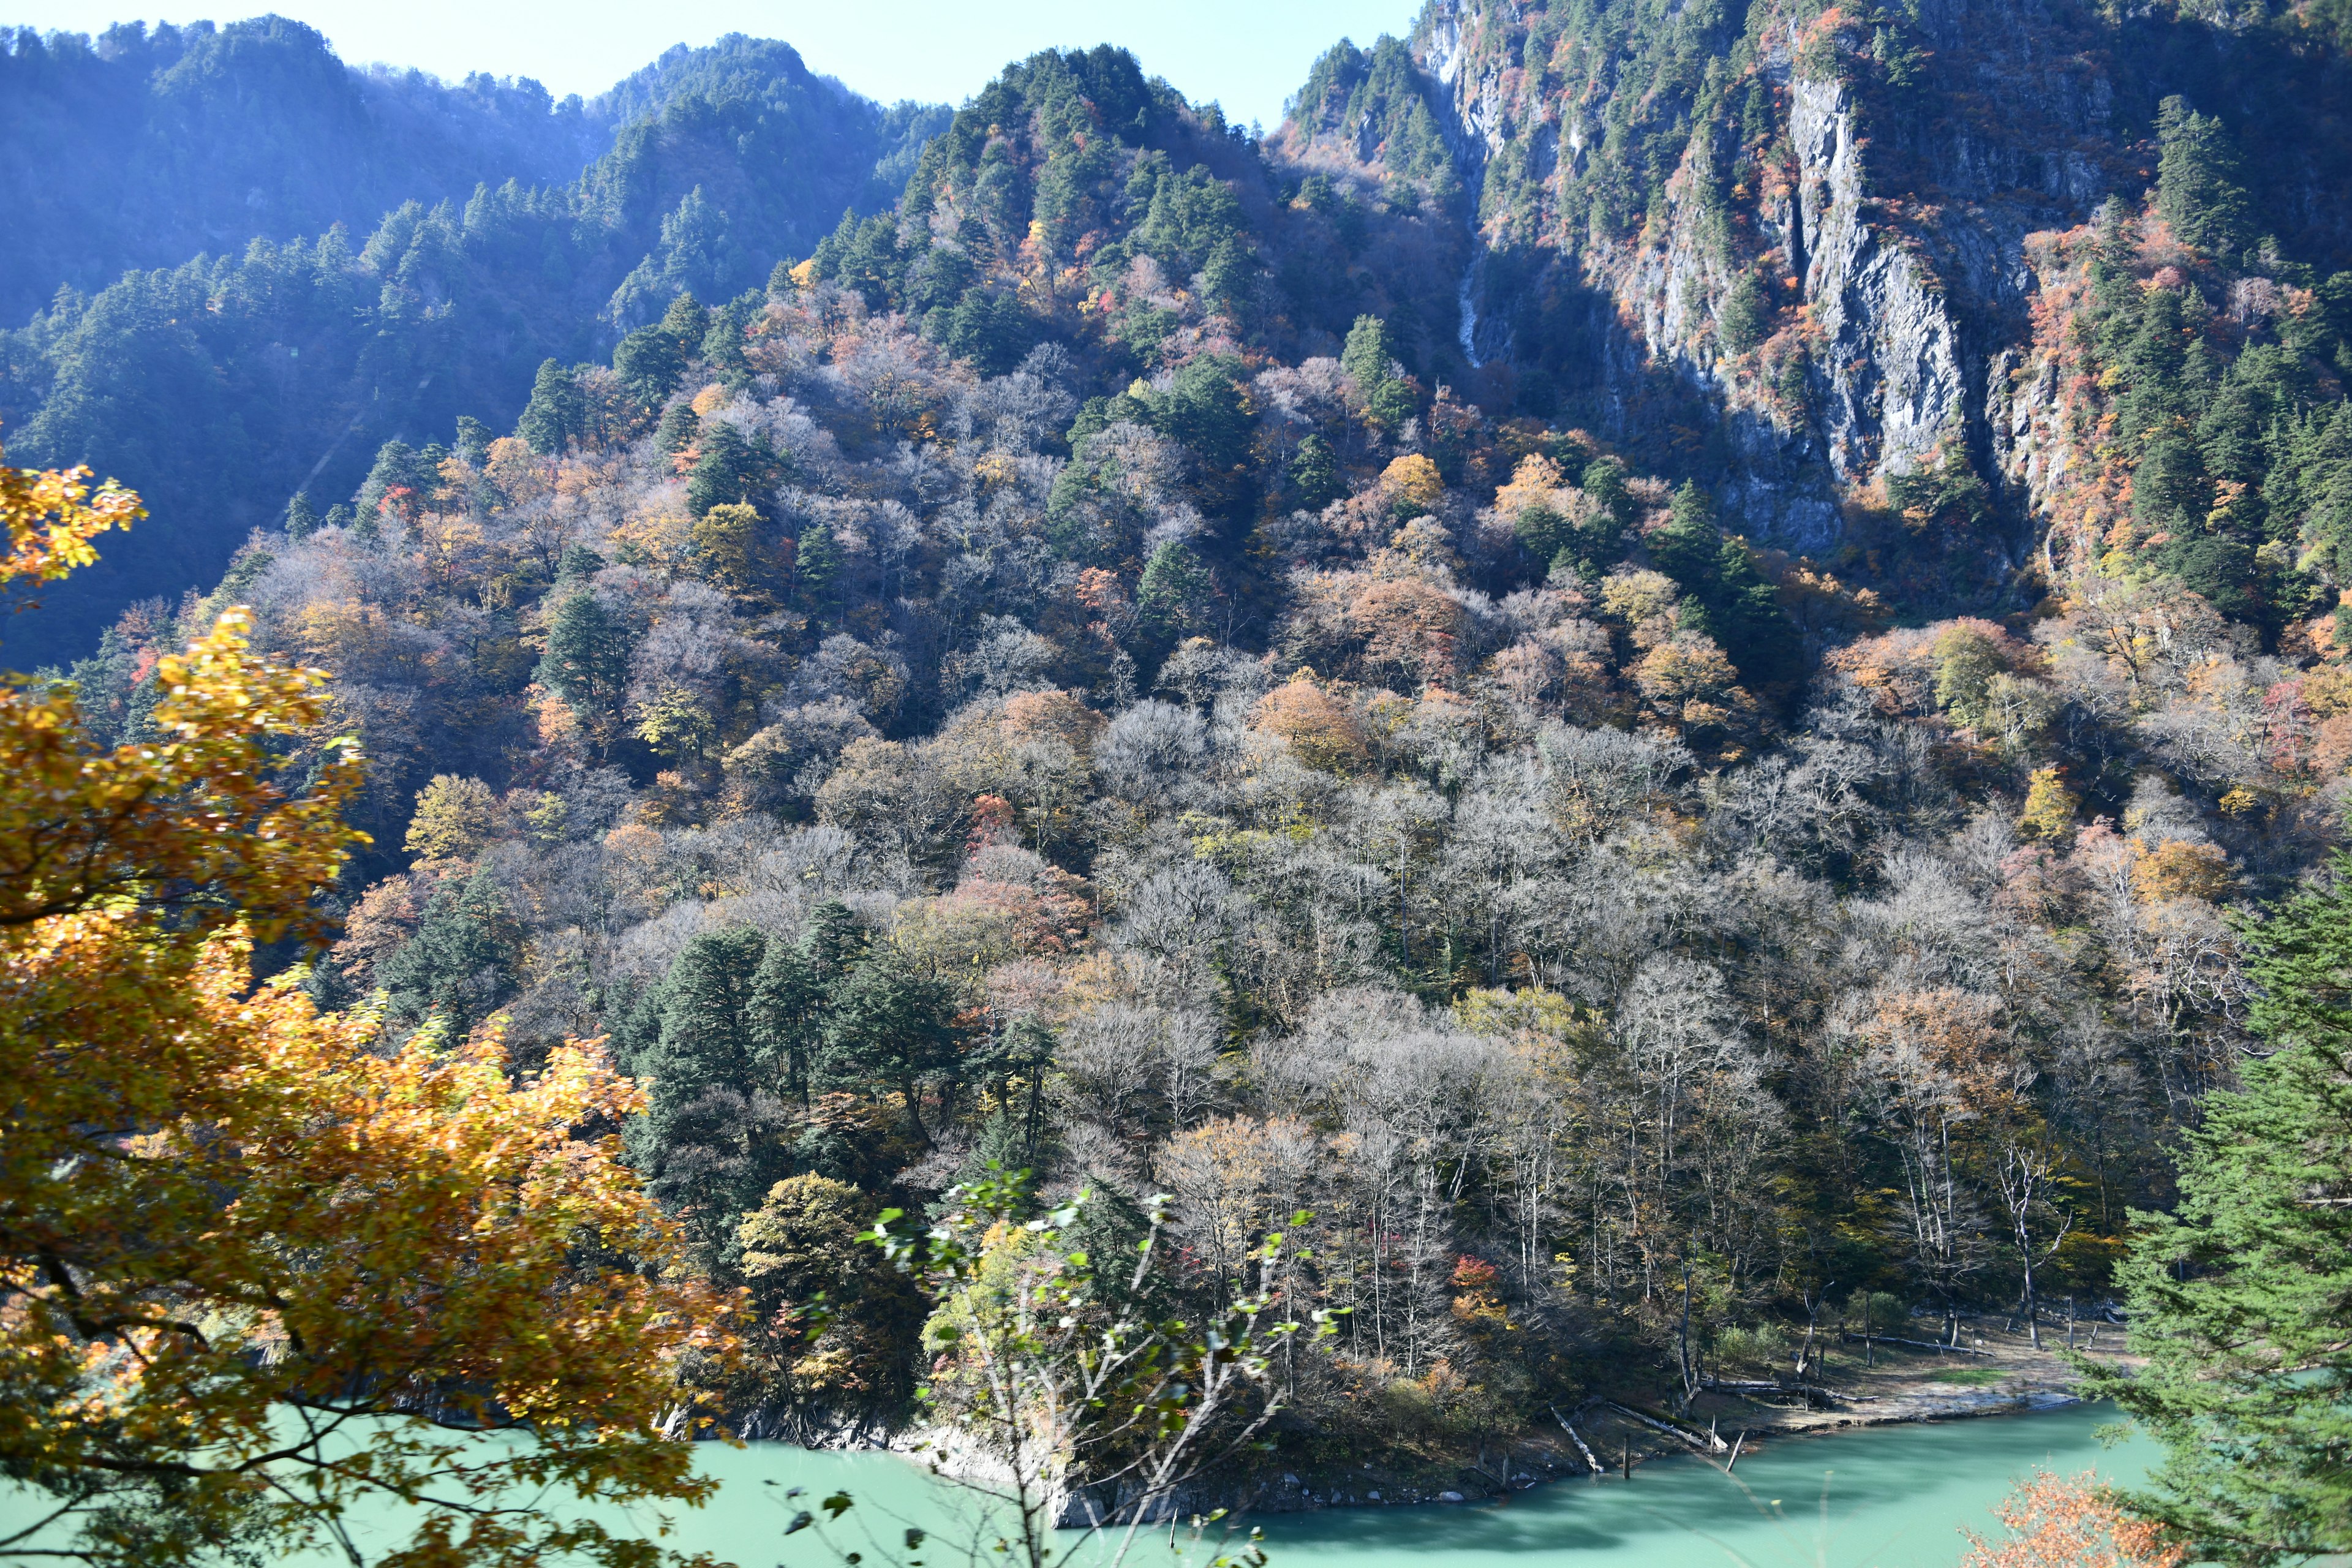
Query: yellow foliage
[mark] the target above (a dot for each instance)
(1638, 596)
(454, 816)
(2178, 870)
(711, 399)
(52, 515)
(1535, 480)
(2049, 806)
(220, 1202)
(727, 542)
(1413, 484)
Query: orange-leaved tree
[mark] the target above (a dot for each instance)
(258, 1262)
(2069, 1522)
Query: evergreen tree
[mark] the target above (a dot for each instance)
(1172, 596)
(400, 474)
(1370, 359)
(1746, 320)
(685, 322)
(1204, 409)
(557, 414)
(301, 518)
(731, 468)
(889, 1029)
(833, 942)
(681, 427)
(464, 959)
(587, 657)
(2239, 1299)
(2201, 188)
(707, 1143)
(473, 440)
(817, 562)
(1315, 472)
(650, 364)
(788, 1014)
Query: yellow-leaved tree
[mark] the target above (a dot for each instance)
(257, 1263)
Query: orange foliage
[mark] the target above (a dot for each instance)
(216, 1202)
(2056, 1522)
(2178, 870)
(1052, 715)
(1322, 734)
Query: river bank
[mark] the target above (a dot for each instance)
(1894, 1494)
(1850, 1384)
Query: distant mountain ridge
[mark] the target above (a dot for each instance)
(489, 228)
(141, 148)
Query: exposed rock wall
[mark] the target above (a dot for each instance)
(1906, 336)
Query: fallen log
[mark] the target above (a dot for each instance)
(1701, 1445)
(1813, 1394)
(1569, 1428)
(1915, 1344)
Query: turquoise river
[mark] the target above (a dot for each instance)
(1886, 1496)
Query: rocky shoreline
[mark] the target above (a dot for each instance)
(1883, 1383)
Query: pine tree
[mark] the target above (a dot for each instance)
(1172, 595)
(833, 941)
(587, 659)
(1370, 360)
(650, 364)
(2239, 1299)
(557, 414)
(788, 1014)
(301, 518)
(707, 1143)
(685, 324)
(2201, 188)
(1315, 472)
(731, 468)
(889, 1030)
(464, 959)
(679, 427)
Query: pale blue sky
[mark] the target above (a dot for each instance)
(1245, 54)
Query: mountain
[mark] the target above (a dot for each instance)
(140, 149)
(1873, 274)
(1652, 661)
(223, 385)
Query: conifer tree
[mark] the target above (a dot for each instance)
(1172, 595)
(1316, 473)
(557, 414)
(788, 1014)
(731, 468)
(587, 659)
(706, 1144)
(889, 1029)
(650, 364)
(462, 962)
(2239, 1299)
(2201, 188)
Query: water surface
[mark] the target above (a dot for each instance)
(1889, 1497)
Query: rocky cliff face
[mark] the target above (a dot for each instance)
(1831, 258)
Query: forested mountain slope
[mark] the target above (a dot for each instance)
(140, 149)
(1911, 284)
(1106, 668)
(277, 358)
